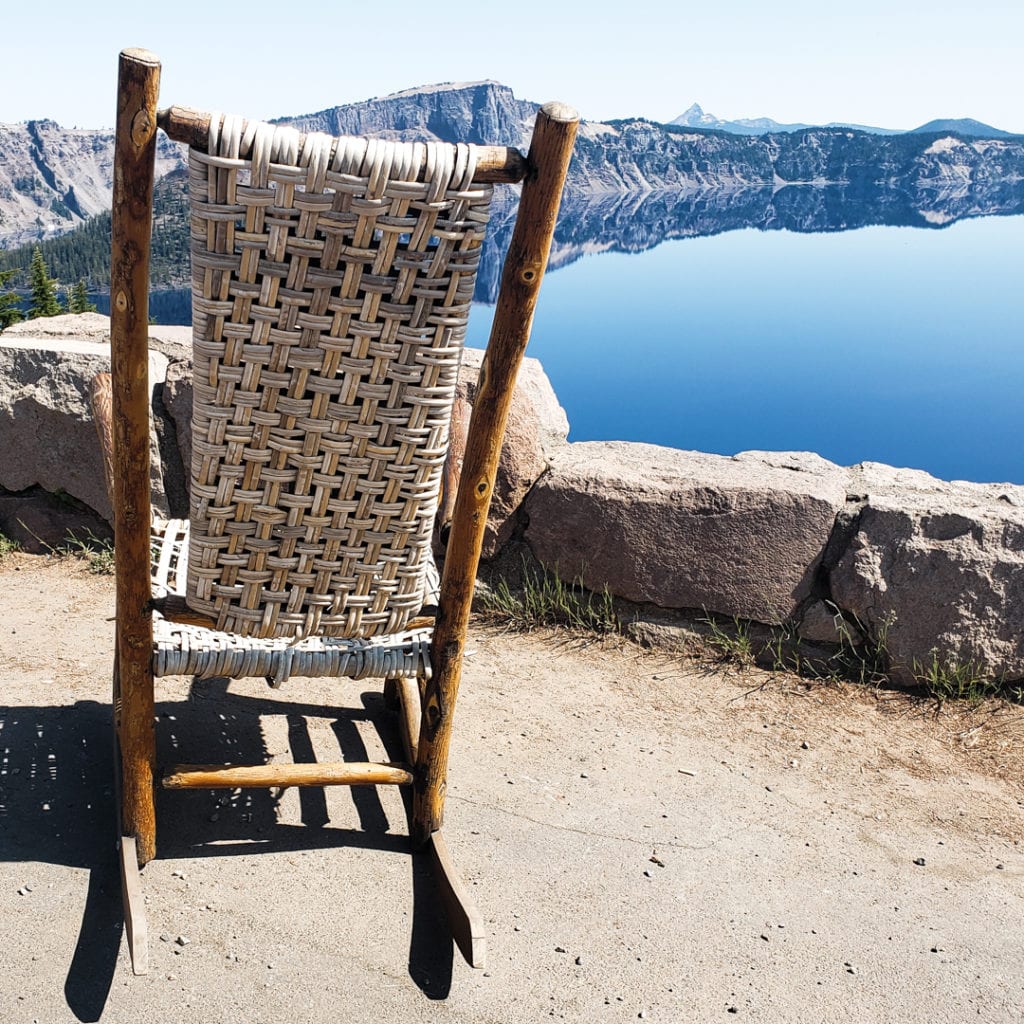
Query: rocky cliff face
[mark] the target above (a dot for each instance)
(479, 112)
(54, 178)
(640, 156)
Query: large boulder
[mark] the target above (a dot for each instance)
(534, 395)
(171, 340)
(80, 326)
(739, 536)
(937, 566)
(537, 427)
(47, 434)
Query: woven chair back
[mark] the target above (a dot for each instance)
(332, 281)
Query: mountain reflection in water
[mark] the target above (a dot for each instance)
(631, 223)
(785, 328)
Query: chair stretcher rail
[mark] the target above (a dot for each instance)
(494, 163)
(339, 773)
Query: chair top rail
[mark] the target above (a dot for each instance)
(496, 164)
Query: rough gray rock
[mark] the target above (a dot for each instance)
(937, 565)
(537, 426)
(47, 434)
(41, 522)
(823, 623)
(79, 326)
(662, 630)
(173, 341)
(737, 536)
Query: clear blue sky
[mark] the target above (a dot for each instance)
(894, 63)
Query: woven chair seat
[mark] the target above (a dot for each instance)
(191, 650)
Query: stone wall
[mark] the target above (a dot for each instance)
(786, 537)
(773, 537)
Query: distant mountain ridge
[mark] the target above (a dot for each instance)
(53, 179)
(696, 117)
(963, 126)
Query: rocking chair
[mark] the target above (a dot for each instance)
(332, 281)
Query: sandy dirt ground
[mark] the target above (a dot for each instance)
(648, 839)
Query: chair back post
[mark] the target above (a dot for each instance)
(547, 164)
(134, 155)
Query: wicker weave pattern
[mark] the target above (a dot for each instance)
(188, 650)
(331, 289)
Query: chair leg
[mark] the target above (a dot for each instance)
(392, 700)
(464, 919)
(434, 729)
(134, 906)
(136, 743)
(129, 852)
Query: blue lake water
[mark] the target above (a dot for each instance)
(891, 344)
(898, 344)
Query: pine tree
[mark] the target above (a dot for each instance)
(10, 313)
(79, 300)
(43, 288)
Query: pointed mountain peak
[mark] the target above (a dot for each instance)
(696, 117)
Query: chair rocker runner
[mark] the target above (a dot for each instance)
(332, 281)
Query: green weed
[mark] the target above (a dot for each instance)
(733, 644)
(545, 599)
(863, 655)
(97, 552)
(8, 545)
(947, 679)
(782, 651)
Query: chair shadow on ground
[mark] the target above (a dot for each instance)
(57, 807)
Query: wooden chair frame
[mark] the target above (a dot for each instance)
(426, 709)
